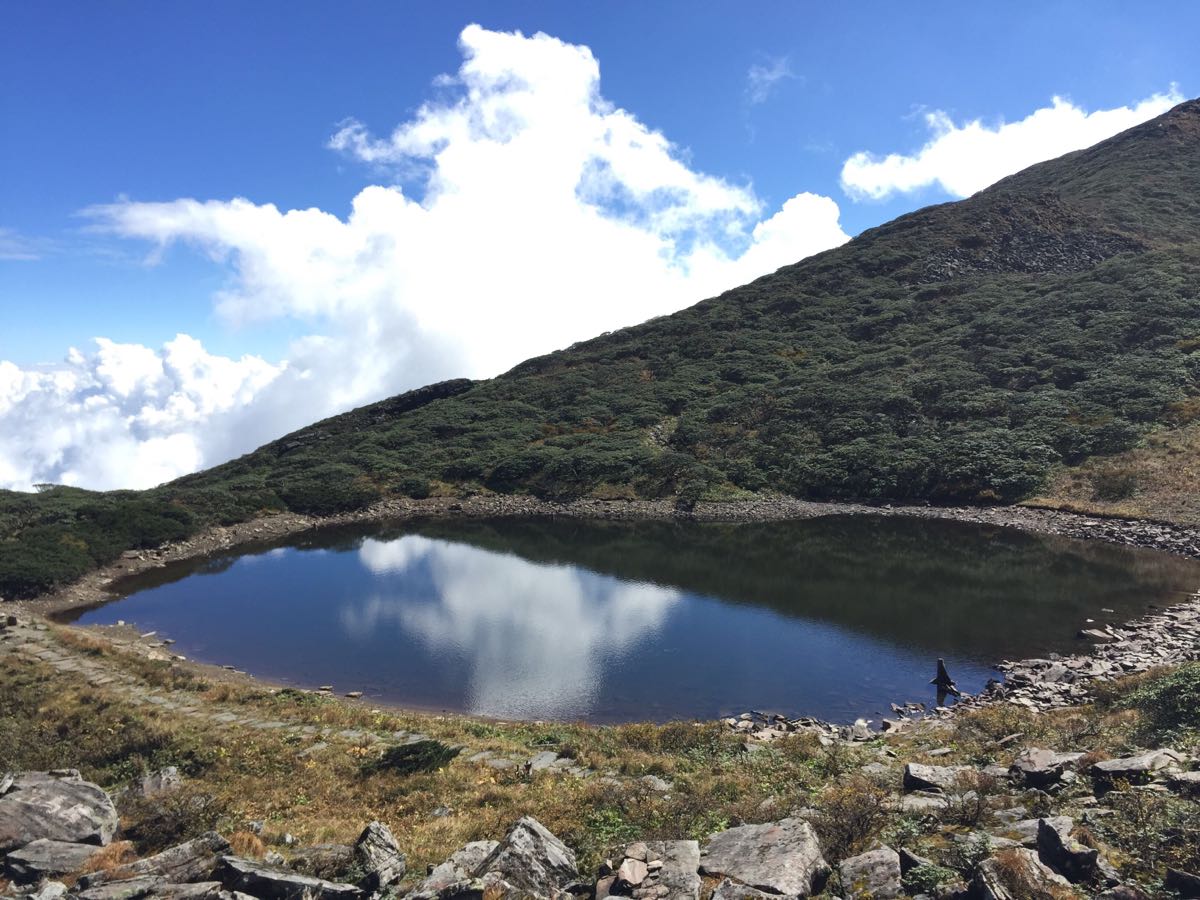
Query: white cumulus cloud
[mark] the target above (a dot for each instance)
(963, 159)
(521, 212)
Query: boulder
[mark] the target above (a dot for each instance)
(782, 857)
(193, 860)
(42, 858)
(1015, 875)
(655, 870)
(874, 875)
(531, 859)
(378, 855)
(269, 883)
(459, 866)
(1134, 769)
(55, 807)
(325, 861)
(1037, 768)
(1065, 855)
(1186, 783)
(933, 779)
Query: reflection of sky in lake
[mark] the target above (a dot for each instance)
(535, 637)
(618, 622)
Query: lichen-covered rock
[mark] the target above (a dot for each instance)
(934, 779)
(193, 860)
(1064, 854)
(269, 883)
(459, 866)
(782, 857)
(1135, 769)
(1038, 768)
(531, 859)
(57, 808)
(44, 858)
(874, 875)
(379, 857)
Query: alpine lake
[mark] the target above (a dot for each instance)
(544, 618)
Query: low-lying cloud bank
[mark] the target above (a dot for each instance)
(519, 212)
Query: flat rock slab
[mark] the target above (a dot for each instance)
(268, 883)
(58, 808)
(42, 858)
(193, 860)
(935, 779)
(531, 859)
(781, 857)
(872, 876)
(732, 890)
(1133, 768)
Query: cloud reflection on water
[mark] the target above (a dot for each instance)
(536, 637)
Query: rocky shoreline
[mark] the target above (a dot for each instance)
(1165, 637)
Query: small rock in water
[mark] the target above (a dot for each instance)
(354, 695)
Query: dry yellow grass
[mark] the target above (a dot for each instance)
(1156, 480)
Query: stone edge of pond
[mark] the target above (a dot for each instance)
(1165, 637)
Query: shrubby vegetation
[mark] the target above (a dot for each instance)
(957, 354)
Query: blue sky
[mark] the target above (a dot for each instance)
(123, 104)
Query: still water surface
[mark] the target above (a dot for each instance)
(565, 619)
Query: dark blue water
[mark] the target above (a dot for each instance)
(562, 619)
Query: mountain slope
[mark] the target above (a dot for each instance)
(960, 353)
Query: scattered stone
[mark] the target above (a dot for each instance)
(1065, 855)
(194, 860)
(1134, 769)
(934, 779)
(269, 883)
(59, 808)
(874, 875)
(630, 874)
(163, 781)
(458, 867)
(923, 803)
(661, 785)
(783, 857)
(1186, 783)
(379, 857)
(43, 858)
(531, 859)
(1026, 831)
(328, 862)
(1037, 768)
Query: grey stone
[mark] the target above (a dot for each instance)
(459, 866)
(543, 760)
(531, 859)
(325, 861)
(268, 883)
(41, 858)
(487, 887)
(379, 857)
(50, 890)
(1037, 768)
(129, 889)
(630, 874)
(1130, 768)
(679, 873)
(731, 890)
(1064, 854)
(935, 779)
(923, 803)
(910, 860)
(1034, 878)
(655, 783)
(1186, 783)
(782, 857)
(58, 808)
(1025, 832)
(164, 781)
(874, 875)
(193, 860)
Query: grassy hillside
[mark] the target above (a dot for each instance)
(967, 352)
